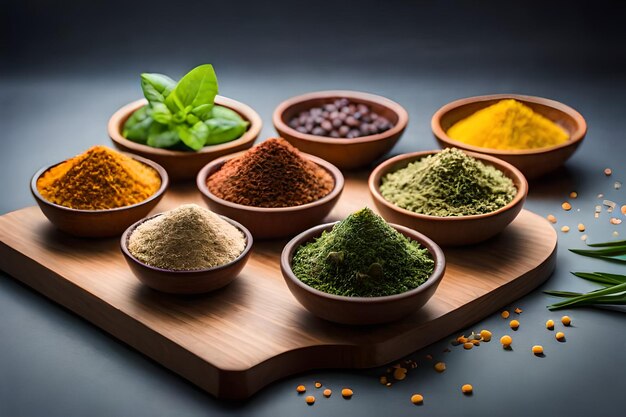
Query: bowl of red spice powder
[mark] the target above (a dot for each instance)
(184, 165)
(272, 189)
(313, 123)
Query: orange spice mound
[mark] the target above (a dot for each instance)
(272, 174)
(99, 179)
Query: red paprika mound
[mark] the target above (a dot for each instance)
(271, 174)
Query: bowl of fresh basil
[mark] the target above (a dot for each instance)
(183, 125)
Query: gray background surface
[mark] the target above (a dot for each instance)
(65, 68)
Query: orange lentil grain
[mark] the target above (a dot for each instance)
(383, 380)
(573, 194)
(467, 389)
(318, 384)
(550, 324)
(301, 389)
(518, 311)
(565, 229)
(468, 345)
(347, 393)
(327, 393)
(560, 336)
(551, 218)
(538, 350)
(506, 341)
(623, 209)
(440, 366)
(608, 172)
(417, 399)
(310, 400)
(505, 314)
(476, 342)
(566, 206)
(514, 324)
(486, 335)
(399, 374)
(566, 320)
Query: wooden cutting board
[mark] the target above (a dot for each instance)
(234, 341)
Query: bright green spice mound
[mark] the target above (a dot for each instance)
(448, 183)
(362, 256)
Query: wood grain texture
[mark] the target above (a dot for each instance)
(238, 339)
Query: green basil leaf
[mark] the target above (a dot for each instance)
(221, 112)
(161, 113)
(203, 112)
(137, 127)
(195, 136)
(224, 130)
(196, 88)
(156, 87)
(161, 136)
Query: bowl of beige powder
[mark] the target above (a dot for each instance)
(188, 250)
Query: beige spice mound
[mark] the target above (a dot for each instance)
(187, 238)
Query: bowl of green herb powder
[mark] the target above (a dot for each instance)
(362, 270)
(454, 197)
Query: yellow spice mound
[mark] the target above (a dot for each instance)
(99, 179)
(508, 125)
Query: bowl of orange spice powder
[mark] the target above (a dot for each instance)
(98, 193)
(536, 135)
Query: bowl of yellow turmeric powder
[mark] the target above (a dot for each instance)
(98, 193)
(534, 134)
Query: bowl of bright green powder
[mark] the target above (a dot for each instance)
(453, 197)
(362, 270)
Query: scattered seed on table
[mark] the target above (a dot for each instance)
(383, 380)
(617, 185)
(581, 227)
(560, 336)
(310, 400)
(550, 324)
(506, 341)
(417, 399)
(551, 218)
(301, 389)
(468, 345)
(573, 194)
(615, 220)
(565, 229)
(584, 237)
(440, 367)
(486, 335)
(566, 320)
(429, 357)
(505, 314)
(608, 172)
(538, 350)
(514, 324)
(461, 339)
(347, 393)
(327, 393)
(623, 209)
(476, 342)
(399, 374)
(600, 196)
(566, 206)
(318, 384)
(467, 389)
(610, 205)
(615, 234)
(518, 310)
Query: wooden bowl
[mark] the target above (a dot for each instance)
(98, 223)
(184, 165)
(341, 152)
(271, 223)
(361, 310)
(186, 282)
(532, 162)
(456, 230)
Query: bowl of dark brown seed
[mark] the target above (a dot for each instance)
(349, 129)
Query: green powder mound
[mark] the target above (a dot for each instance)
(449, 183)
(362, 256)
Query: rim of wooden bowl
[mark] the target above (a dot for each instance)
(117, 120)
(131, 229)
(280, 125)
(384, 168)
(216, 164)
(161, 171)
(576, 136)
(435, 251)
